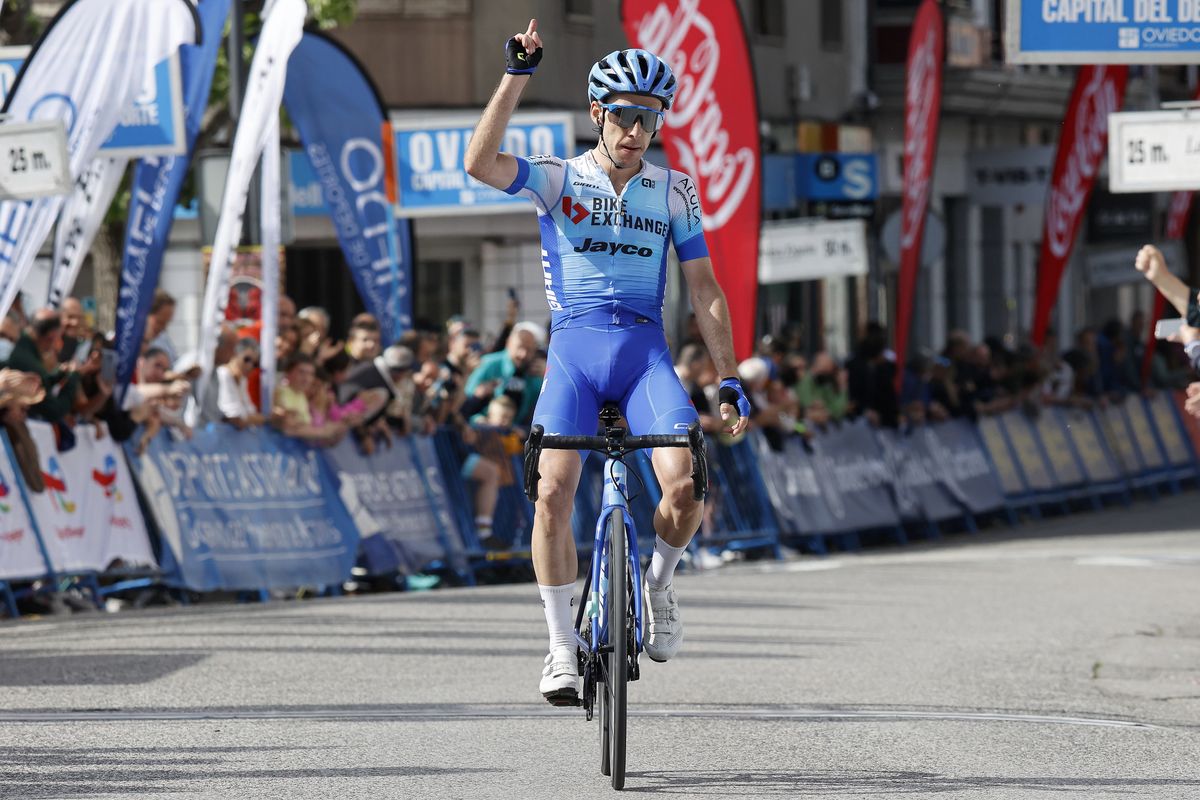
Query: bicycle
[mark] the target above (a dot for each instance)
(613, 594)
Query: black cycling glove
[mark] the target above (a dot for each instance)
(519, 61)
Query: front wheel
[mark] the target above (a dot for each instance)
(618, 659)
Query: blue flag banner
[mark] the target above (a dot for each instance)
(247, 510)
(340, 117)
(155, 190)
(399, 507)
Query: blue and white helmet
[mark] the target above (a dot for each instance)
(634, 71)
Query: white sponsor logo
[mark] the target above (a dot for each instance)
(1088, 147)
(703, 142)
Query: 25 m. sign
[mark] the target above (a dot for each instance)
(1154, 151)
(1103, 31)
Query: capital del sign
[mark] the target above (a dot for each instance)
(1099, 91)
(711, 133)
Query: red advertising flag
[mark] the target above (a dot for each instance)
(1082, 146)
(922, 113)
(711, 133)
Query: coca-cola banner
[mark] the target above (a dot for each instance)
(922, 112)
(1099, 91)
(711, 133)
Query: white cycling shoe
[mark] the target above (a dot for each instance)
(560, 678)
(664, 629)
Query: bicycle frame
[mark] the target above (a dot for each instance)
(615, 490)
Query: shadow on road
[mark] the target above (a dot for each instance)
(800, 783)
(87, 772)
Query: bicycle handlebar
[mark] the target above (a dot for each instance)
(616, 444)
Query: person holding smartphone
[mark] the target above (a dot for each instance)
(1151, 263)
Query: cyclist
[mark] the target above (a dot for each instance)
(606, 219)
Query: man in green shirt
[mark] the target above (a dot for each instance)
(820, 388)
(37, 351)
(507, 372)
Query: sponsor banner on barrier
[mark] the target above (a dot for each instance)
(88, 515)
(387, 496)
(20, 553)
(1153, 458)
(1120, 440)
(1085, 435)
(1171, 433)
(957, 457)
(791, 481)
(1038, 475)
(854, 477)
(248, 510)
(996, 443)
(1058, 449)
(1190, 423)
(919, 492)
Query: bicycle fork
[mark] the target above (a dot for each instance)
(614, 501)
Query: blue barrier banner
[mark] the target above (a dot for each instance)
(1084, 432)
(340, 117)
(791, 480)
(1102, 31)
(432, 181)
(1039, 476)
(1171, 433)
(996, 444)
(920, 495)
(154, 192)
(958, 459)
(854, 478)
(387, 494)
(247, 510)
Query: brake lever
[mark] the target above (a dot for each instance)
(533, 453)
(699, 462)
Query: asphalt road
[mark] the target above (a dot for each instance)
(1058, 659)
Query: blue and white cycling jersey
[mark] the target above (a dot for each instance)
(604, 255)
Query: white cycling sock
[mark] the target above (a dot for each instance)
(663, 563)
(556, 602)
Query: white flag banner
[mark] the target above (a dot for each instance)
(87, 81)
(271, 236)
(281, 32)
(79, 221)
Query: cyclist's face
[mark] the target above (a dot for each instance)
(624, 143)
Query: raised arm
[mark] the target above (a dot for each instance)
(483, 161)
(1150, 262)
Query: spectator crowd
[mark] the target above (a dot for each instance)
(367, 388)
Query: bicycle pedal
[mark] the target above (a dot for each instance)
(564, 698)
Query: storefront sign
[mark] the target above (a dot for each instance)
(809, 250)
(432, 180)
(1102, 31)
(1009, 176)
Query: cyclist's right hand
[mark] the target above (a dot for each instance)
(523, 52)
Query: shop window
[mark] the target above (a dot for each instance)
(768, 18)
(831, 24)
(579, 10)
